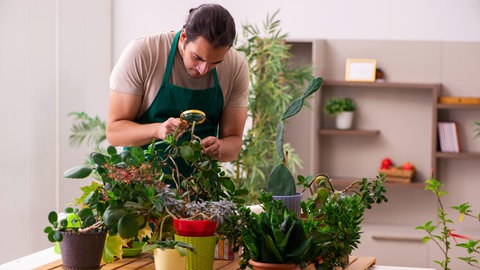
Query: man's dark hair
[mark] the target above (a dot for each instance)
(212, 22)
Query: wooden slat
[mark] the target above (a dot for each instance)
(145, 262)
(362, 263)
(52, 265)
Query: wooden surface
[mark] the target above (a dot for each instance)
(145, 262)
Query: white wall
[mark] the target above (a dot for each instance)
(54, 59)
(444, 20)
(56, 56)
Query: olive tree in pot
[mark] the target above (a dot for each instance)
(342, 109)
(280, 181)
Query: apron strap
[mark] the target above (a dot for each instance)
(171, 58)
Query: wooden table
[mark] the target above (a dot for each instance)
(145, 262)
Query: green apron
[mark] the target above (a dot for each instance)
(171, 100)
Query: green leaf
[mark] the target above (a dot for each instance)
(98, 158)
(187, 153)
(272, 248)
(57, 236)
(52, 217)
(281, 181)
(293, 108)
(138, 153)
(80, 171)
(297, 104)
(111, 150)
(279, 141)
(113, 248)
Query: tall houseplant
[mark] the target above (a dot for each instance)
(281, 182)
(274, 81)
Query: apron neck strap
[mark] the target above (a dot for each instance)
(171, 57)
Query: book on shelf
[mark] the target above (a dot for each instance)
(448, 137)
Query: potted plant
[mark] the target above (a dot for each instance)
(125, 195)
(80, 235)
(335, 216)
(281, 182)
(330, 220)
(342, 109)
(129, 190)
(274, 238)
(169, 254)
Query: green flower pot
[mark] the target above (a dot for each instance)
(203, 257)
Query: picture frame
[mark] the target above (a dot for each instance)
(360, 70)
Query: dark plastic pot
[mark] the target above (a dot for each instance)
(186, 227)
(82, 250)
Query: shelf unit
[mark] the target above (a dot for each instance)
(378, 133)
(447, 108)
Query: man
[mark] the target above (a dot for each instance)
(161, 75)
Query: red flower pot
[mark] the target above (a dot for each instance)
(186, 227)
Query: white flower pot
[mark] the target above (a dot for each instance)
(169, 259)
(344, 120)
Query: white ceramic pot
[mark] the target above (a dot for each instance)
(344, 120)
(169, 259)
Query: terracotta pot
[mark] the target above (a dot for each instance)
(82, 250)
(197, 228)
(169, 259)
(273, 266)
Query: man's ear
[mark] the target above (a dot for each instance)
(183, 36)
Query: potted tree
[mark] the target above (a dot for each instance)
(342, 109)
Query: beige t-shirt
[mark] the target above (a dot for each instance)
(140, 69)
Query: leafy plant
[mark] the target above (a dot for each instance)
(90, 130)
(334, 216)
(477, 130)
(442, 238)
(181, 247)
(129, 190)
(75, 220)
(274, 235)
(280, 180)
(274, 81)
(334, 106)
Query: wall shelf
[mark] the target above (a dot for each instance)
(395, 135)
(349, 132)
(461, 155)
(442, 106)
